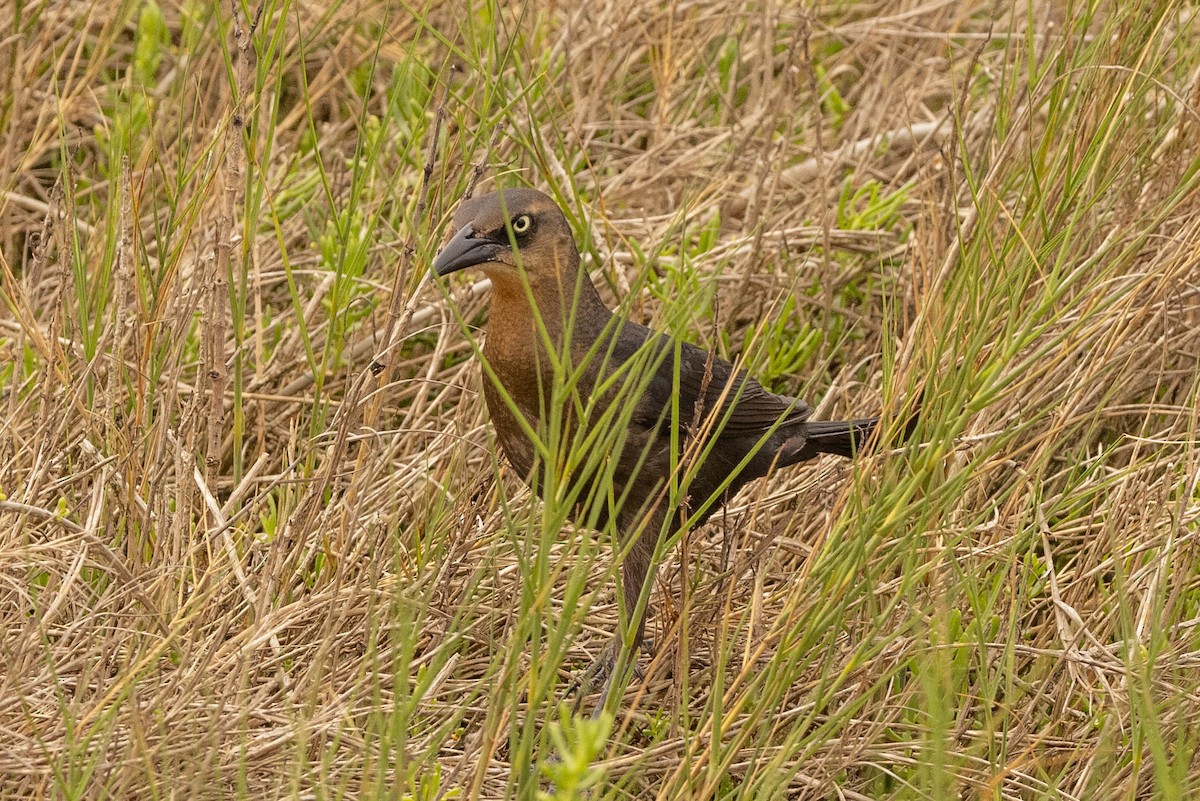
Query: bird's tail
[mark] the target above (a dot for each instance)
(839, 437)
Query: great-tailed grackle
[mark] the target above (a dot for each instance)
(688, 416)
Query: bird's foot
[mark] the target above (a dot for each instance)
(601, 673)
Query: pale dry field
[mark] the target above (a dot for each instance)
(254, 538)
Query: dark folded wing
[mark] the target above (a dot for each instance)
(746, 409)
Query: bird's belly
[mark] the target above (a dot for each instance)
(513, 441)
(623, 476)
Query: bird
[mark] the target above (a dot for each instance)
(680, 429)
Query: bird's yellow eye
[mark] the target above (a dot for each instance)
(522, 224)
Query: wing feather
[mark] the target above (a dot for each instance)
(746, 407)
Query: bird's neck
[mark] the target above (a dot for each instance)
(519, 340)
(571, 308)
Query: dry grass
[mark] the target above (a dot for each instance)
(253, 539)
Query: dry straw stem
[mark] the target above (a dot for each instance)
(255, 540)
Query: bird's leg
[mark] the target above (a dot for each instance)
(635, 573)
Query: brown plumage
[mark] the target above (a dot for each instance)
(743, 430)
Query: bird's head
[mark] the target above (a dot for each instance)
(508, 231)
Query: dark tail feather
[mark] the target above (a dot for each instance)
(839, 437)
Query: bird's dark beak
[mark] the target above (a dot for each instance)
(465, 250)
